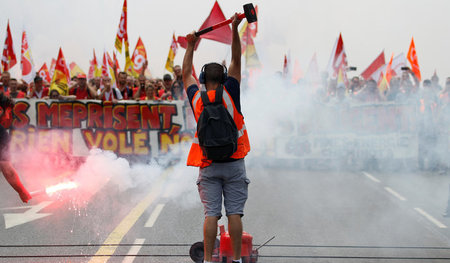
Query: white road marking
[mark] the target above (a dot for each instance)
(431, 218)
(16, 207)
(15, 219)
(134, 250)
(152, 219)
(371, 177)
(394, 193)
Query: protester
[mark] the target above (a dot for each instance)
(225, 177)
(95, 84)
(178, 91)
(109, 93)
(150, 93)
(54, 95)
(177, 75)
(13, 92)
(4, 81)
(82, 91)
(165, 92)
(125, 90)
(139, 90)
(38, 91)
(394, 89)
(369, 93)
(177, 86)
(8, 171)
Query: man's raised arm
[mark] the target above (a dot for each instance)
(235, 65)
(188, 79)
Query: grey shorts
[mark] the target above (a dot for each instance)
(223, 179)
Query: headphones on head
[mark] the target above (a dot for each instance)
(202, 78)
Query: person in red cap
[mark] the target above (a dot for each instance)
(82, 91)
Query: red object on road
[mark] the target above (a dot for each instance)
(226, 249)
(223, 251)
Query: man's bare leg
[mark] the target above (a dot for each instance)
(235, 230)
(209, 235)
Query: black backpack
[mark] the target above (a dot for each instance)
(217, 133)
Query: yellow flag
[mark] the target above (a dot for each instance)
(248, 47)
(75, 70)
(61, 76)
(128, 62)
(383, 85)
(172, 52)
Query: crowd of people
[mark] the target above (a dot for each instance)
(402, 89)
(430, 100)
(127, 87)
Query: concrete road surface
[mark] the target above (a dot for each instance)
(315, 216)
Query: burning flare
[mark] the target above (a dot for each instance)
(61, 186)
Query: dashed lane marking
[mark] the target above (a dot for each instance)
(152, 219)
(104, 253)
(430, 217)
(134, 250)
(371, 177)
(394, 193)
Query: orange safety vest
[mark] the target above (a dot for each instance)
(196, 157)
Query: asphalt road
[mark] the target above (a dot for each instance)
(315, 216)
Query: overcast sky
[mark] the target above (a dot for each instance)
(303, 27)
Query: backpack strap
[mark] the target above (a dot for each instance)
(219, 95)
(205, 98)
(218, 99)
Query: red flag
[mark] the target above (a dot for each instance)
(105, 72)
(94, 70)
(340, 58)
(116, 62)
(122, 31)
(247, 33)
(9, 57)
(412, 58)
(312, 76)
(222, 34)
(52, 67)
(61, 77)
(297, 74)
(374, 69)
(286, 66)
(389, 71)
(253, 27)
(44, 73)
(91, 70)
(26, 61)
(61, 68)
(195, 75)
(139, 56)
